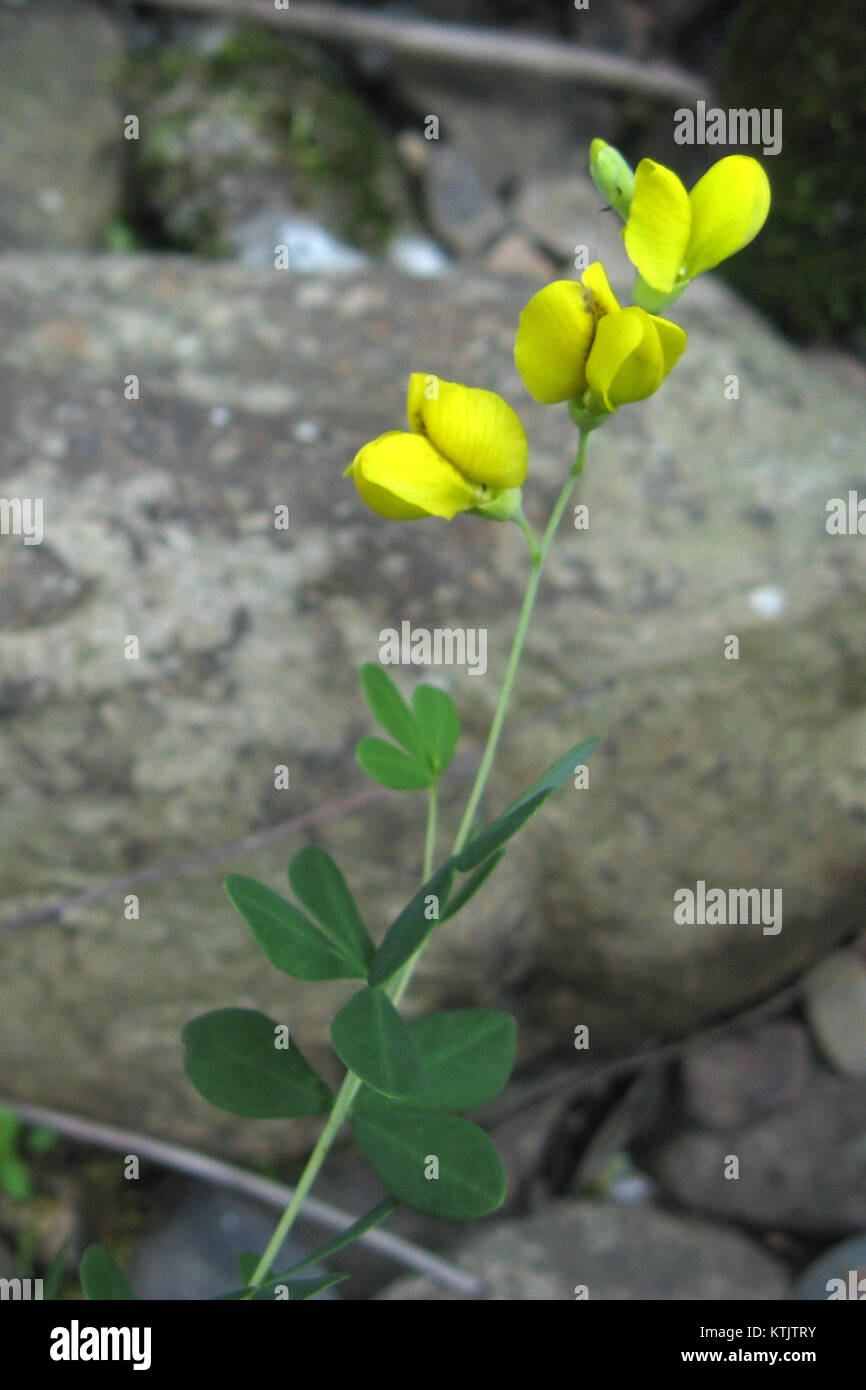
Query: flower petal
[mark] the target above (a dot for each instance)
(729, 207)
(594, 278)
(553, 339)
(476, 430)
(659, 222)
(672, 339)
(401, 476)
(626, 362)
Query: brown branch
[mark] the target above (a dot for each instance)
(275, 1194)
(463, 45)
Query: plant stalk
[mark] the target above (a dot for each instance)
(352, 1083)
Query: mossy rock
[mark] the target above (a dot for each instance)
(806, 269)
(251, 127)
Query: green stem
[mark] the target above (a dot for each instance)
(534, 551)
(346, 1094)
(517, 647)
(341, 1107)
(352, 1083)
(430, 837)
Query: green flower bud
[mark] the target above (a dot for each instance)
(612, 176)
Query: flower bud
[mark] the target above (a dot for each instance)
(612, 175)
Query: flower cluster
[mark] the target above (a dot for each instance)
(465, 449)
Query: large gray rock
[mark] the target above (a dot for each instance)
(596, 1251)
(707, 519)
(60, 156)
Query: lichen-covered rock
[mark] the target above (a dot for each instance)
(61, 152)
(707, 520)
(244, 131)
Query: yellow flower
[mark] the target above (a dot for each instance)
(574, 343)
(466, 451)
(671, 235)
(631, 355)
(555, 334)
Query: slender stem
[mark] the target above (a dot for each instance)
(346, 1094)
(517, 648)
(534, 551)
(430, 837)
(352, 1083)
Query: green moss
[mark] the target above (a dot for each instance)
(290, 117)
(806, 269)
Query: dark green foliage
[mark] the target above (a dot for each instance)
(806, 269)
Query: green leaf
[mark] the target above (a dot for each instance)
(347, 1237)
(371, 1038)
(467, 1055)
(10, 1126)
(321, 887)
(15, 1179)
(401, 1142)
(468, 889)
(520, 811)
(232, 1061)
(101, 1276)
(439, 723)
(56, 1273)
(392, 768)
(248, 1263)
(299, 1290)
(411, 928)
(40, 1139)
(391, 709)
(288, 938)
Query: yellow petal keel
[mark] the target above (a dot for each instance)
(401, 476)
(631, 355)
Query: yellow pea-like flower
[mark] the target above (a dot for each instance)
(475, 429)
(555, 334)
(632, 353)
(671, 235)
(466, 450)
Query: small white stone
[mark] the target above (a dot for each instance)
(768, 601)
(220, 416)
(417, 255)
(306, 431)
(50, 200)
(186, 345)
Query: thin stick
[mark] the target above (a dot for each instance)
(463, 45)
(214, 1170)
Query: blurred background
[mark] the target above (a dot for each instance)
(226, 234)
